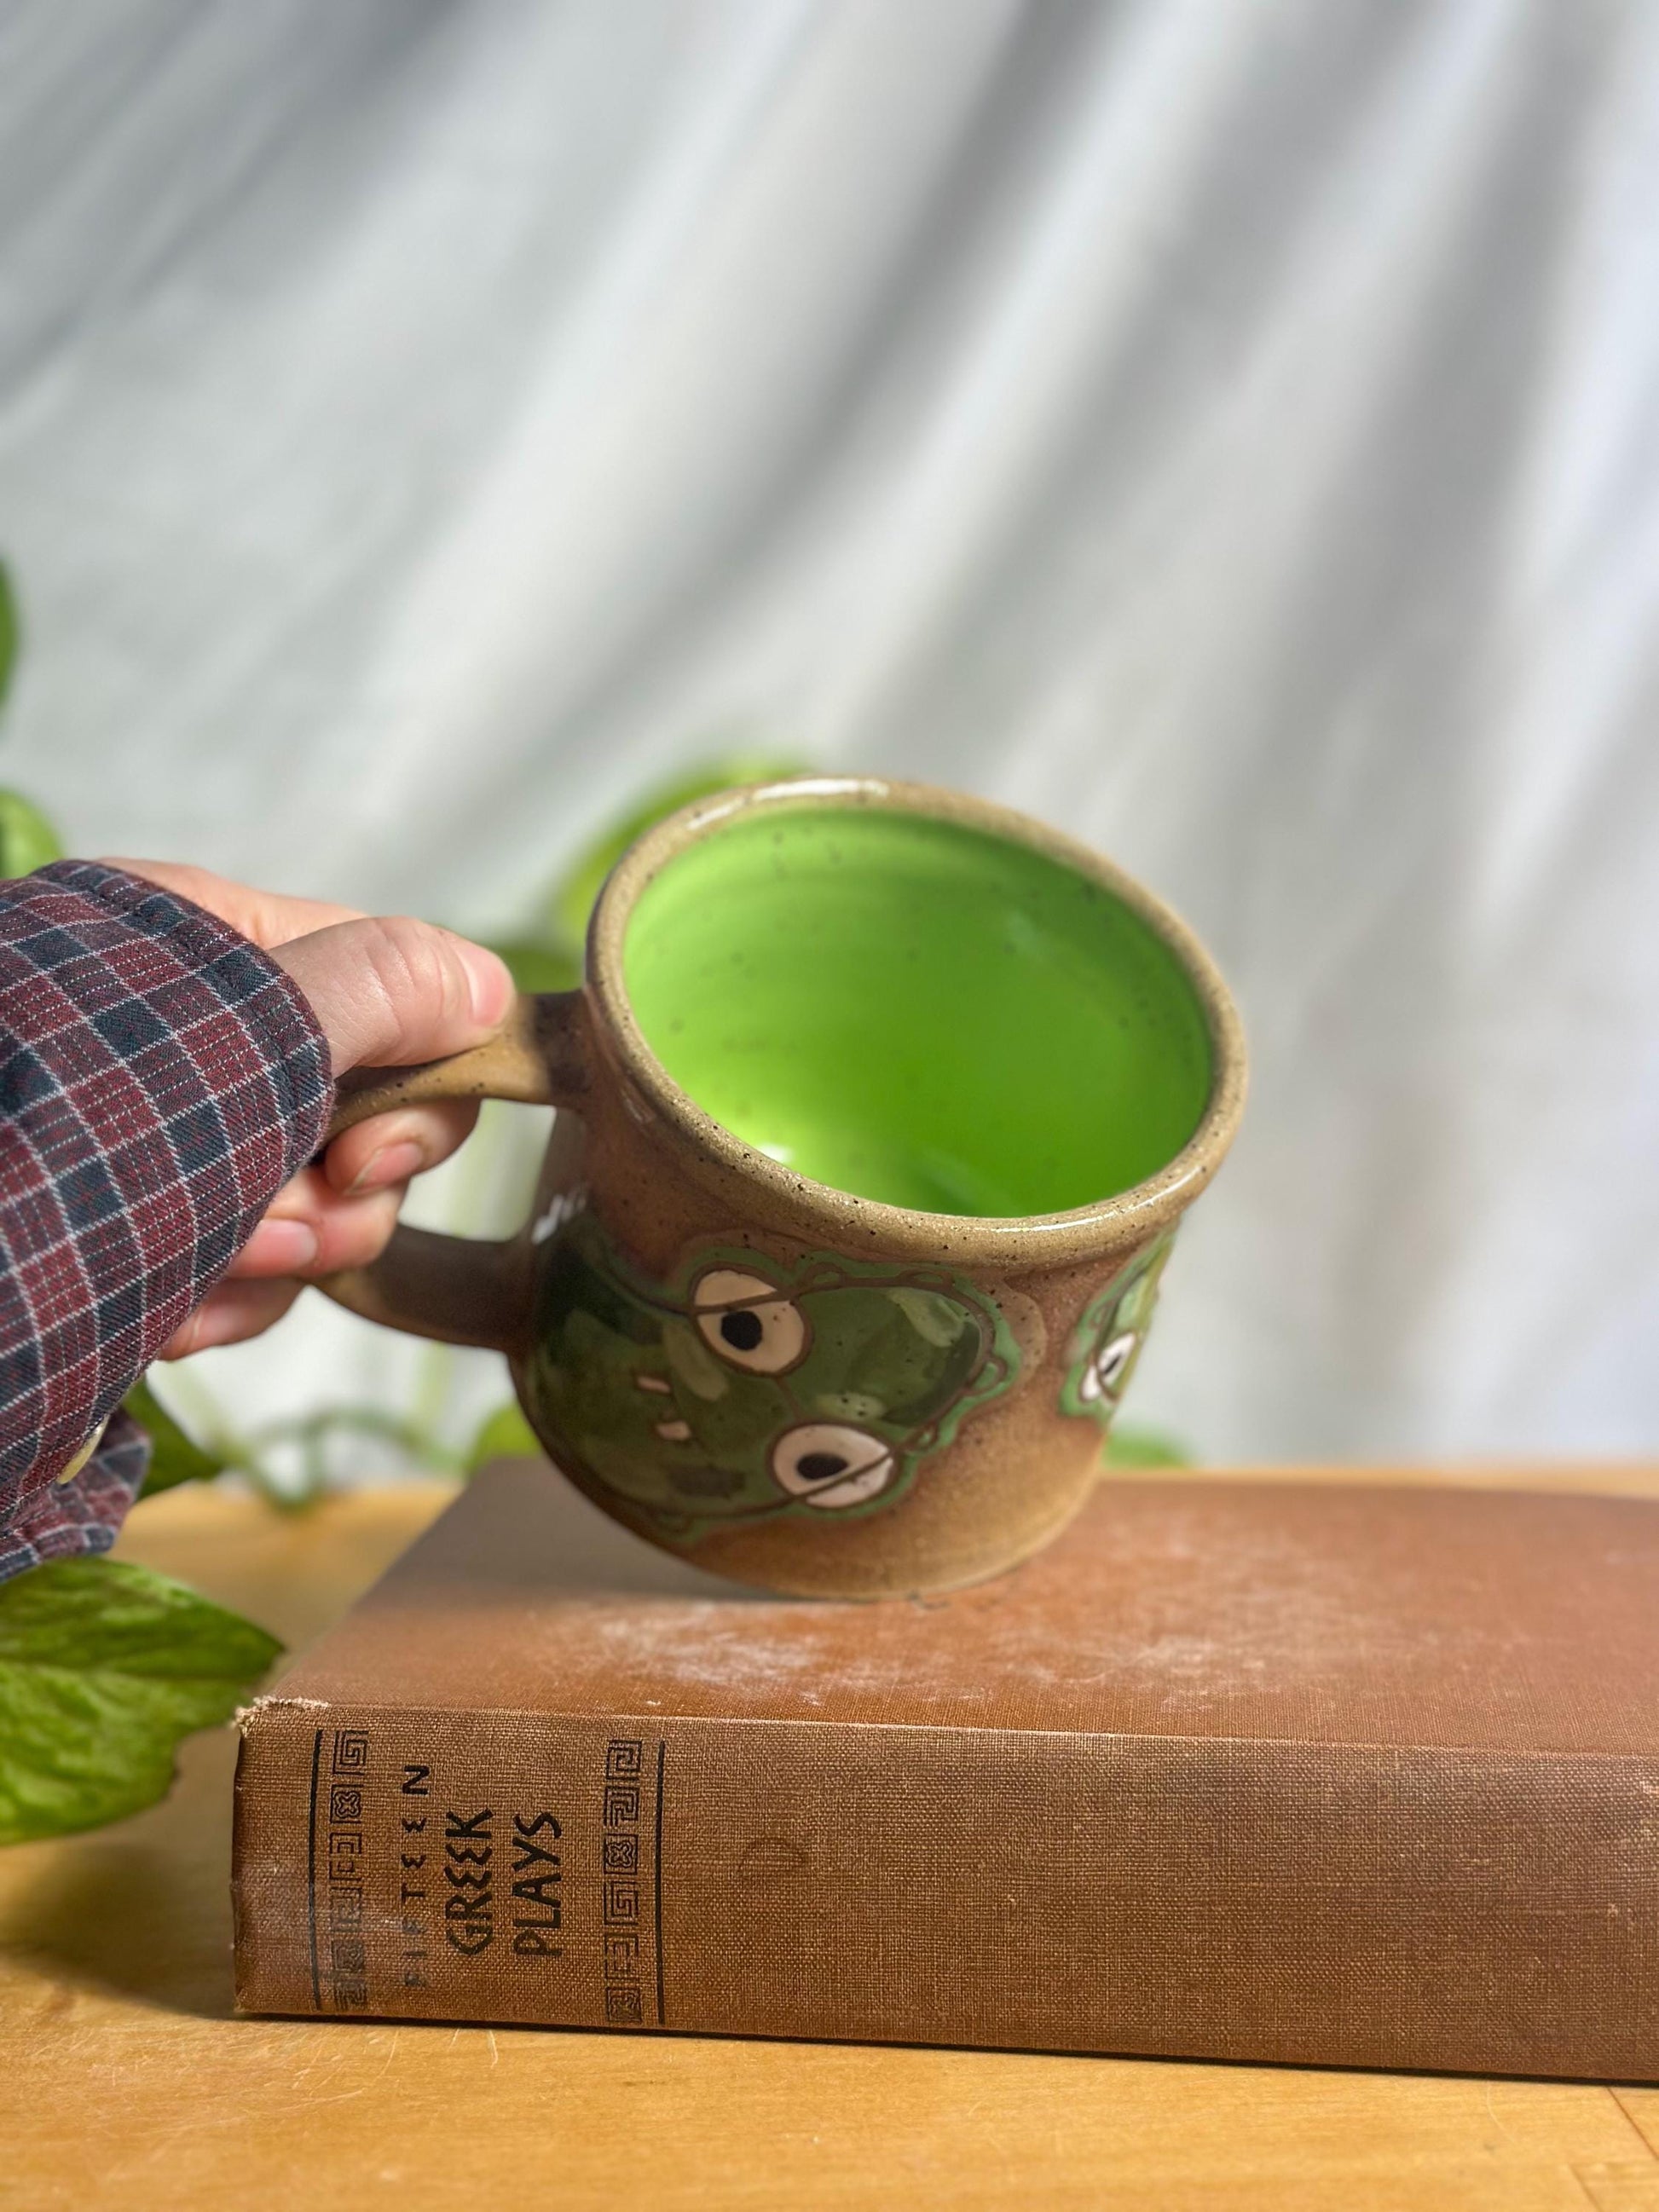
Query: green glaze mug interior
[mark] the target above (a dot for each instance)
(886, 1102)
(917, 1012)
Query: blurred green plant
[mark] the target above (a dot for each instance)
(105, 1668)
(548, 955)
(27, 840)
(1136, 1447)
(9, 631)
(175, 1457)
(504, 1434)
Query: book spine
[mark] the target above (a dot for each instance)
(1347, 1905)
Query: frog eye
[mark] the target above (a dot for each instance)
(747, 1322)
(828, 1465)
(1111, 1364)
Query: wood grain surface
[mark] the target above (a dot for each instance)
(125, 2082)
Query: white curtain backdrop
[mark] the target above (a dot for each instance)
(1230, 431)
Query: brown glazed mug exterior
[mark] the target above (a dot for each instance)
(693, 1244)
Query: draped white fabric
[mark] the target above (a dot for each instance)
(1230, 431)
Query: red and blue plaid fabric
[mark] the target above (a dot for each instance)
(160, 1079)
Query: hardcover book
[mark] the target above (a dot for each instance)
(1342, 1775)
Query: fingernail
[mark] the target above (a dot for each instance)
(488, 981)
(390, 1163)
(284, 1247)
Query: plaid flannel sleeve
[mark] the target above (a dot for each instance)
(160, 1079)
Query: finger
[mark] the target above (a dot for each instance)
(389, 992)
(229, 1315)
(353, 1232)
(268, 917)
(276, 1247)
(310, 1230)
(300, 1199)
(392, 1148)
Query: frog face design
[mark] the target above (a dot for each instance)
(1107, 1341)
(745, 1388)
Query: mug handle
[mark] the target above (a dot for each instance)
(463, 1289)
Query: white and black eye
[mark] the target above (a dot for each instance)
(745, 1320)
(828, 1465)
(1111, 1364)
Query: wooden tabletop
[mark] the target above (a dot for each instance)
(125, 2083)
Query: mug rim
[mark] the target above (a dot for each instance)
(1128, 1218)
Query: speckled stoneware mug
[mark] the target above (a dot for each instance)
(878, 1108)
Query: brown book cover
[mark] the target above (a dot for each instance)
(1347, 1776)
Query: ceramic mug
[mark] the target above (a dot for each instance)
(877, 1110)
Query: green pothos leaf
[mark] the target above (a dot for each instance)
(541, 967)
(548, 957)
(174, 1456)
(9, 631)
(573, 897)
(27, 839)
(505, 1434)
(1135, 1446)
(104, 1667)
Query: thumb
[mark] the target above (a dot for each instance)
(389, 992)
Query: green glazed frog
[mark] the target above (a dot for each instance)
(1107, 1341)
(745, 1387)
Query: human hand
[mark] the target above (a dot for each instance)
(386, 994)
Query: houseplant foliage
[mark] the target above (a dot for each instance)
(104, 1667)
(27, 841)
